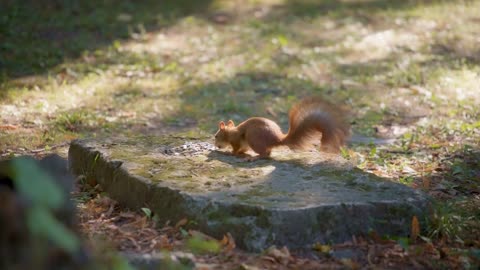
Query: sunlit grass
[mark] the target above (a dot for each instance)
(391, 63)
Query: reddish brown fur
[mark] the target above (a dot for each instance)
(311, 117)
(310, 120)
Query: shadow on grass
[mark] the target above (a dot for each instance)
(461, 170)
(450, 52)
(201, 106)
(250, 94)
(38, 35)
(342, 9)
(456, 186)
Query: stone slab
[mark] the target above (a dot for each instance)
(293, 199)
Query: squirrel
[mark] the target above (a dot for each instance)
(309, 120)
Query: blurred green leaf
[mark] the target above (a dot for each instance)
(198, 245)
(42, 223)
(147, 212)
(457, 169)
(373, 151)
(344, 152)
(183, 232)
(426, 239)
(403, 242)
(35, 184)
(120, 263)
(282, 40)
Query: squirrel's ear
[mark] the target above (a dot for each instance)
(230, 123)
(221, 125)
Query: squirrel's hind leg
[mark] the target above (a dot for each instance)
(261, 142)
(239, 151)
(261, 155)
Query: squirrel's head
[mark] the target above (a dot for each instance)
(221, 137)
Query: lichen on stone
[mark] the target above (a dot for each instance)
(284, 199)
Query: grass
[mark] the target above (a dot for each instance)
(407, 69)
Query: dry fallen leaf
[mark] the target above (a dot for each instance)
(270, 259)
(230, 242)
(426, 183)
(370, 255)
(271, 112)
(350, 264)
(8, 127)
(322, 248)
(181, 222)
(244, 266)
(415, 229)
(281, 255)
(140, 222)
(105, 201)
(127, 214)
(163, 243)
(224, 240)
(110, 210)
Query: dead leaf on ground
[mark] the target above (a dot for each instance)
(105, 201)
(350, 264)
(270, 259)
(244, 266)
(370, 255)
(271, 112)
(163, 243)
(127, 214)
(228, 242)
(281, 255)
(8, 127)
(415, 230)
(140, 222)
(322, 248)
(426, 183)
(182, 222)
(135, 244)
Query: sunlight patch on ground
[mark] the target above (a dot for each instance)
(380, 45)
(460, 85)
(158, 43)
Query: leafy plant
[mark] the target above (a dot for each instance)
(344, 152)
(446, 222)
(150, 214)
(72, 121)
(147, 212)
(406, 180)
(403, 242)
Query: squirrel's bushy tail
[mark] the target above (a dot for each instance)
(311, 119)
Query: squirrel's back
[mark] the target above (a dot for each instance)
(257, 129)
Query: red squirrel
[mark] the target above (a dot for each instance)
(310, 119)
